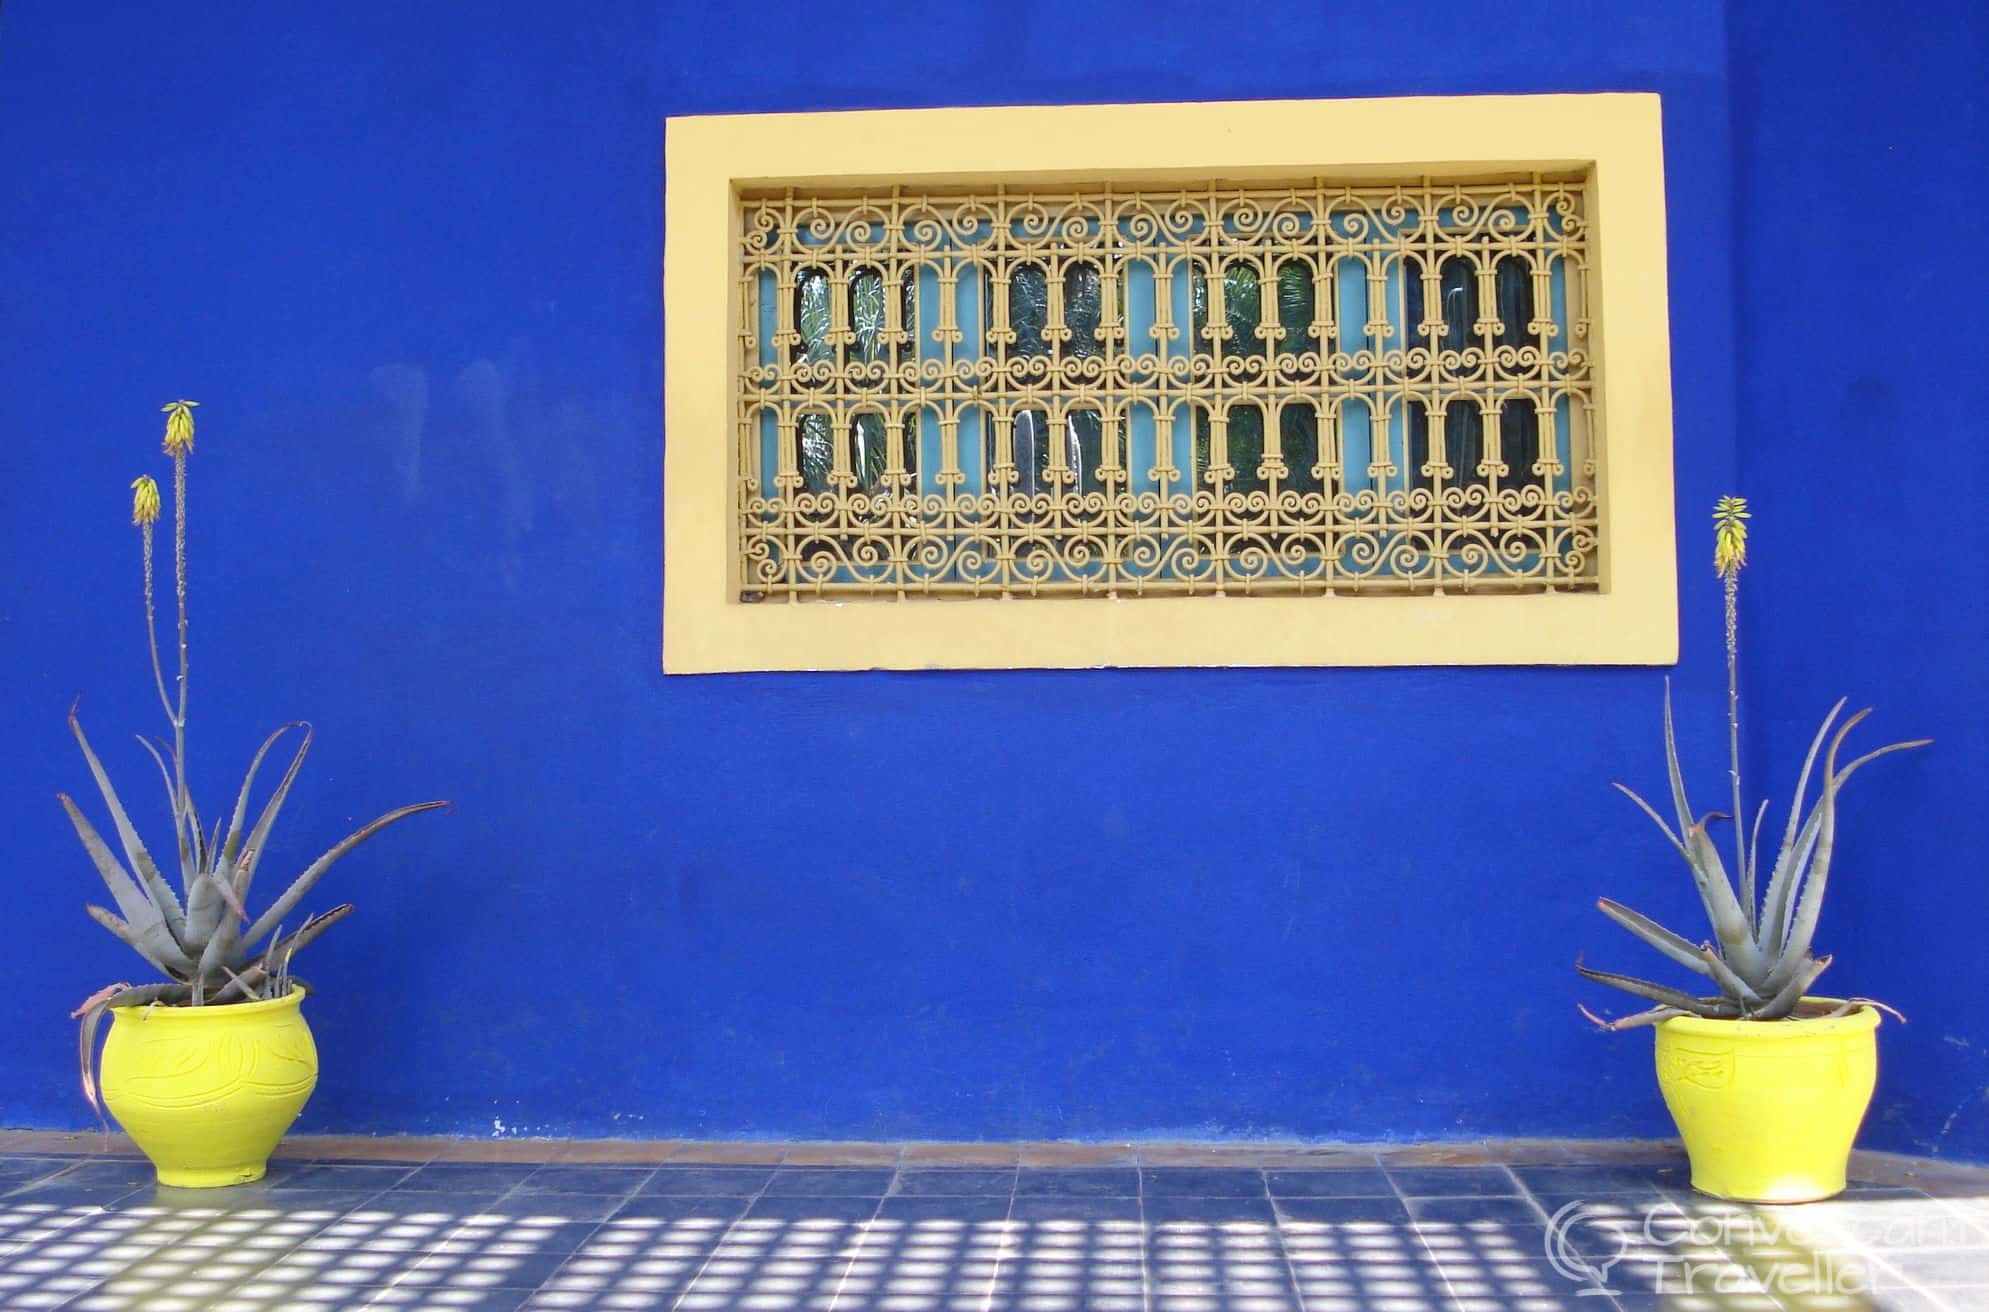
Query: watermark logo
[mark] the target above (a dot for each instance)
(1719, 1249)
(1583, 1250)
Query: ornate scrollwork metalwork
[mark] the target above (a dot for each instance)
(1308, 388)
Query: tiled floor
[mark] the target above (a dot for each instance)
(954, 1228)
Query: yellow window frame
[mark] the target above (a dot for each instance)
(1614, 139)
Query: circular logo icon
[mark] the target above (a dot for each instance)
(1583, 1249)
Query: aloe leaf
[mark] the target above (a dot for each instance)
(231, 845)
(1782, 902)
(227, 895)
(1709, 873)
(146, 919)
(302, 884)
(1678, 801)
(91, 1016)
(160, 749)
(1730, 984)
(196, 839)
(1802, 780)
(1754, 855)
(1675, 946)
(1887, 750)
(1651, 1017)
(1806, 844)
(130, 899)
(155, 888)
(248, 990)
(131, 938)
(1792, 992)
(282, 950)
(1650, 992)
(1816, 880)
(1797, 842)
(165, 777)
(86, 1051)
(251, 852)
(224, 947)
(203, 911)
(1651, 811)
(1849, 1005)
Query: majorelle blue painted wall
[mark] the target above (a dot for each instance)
(1862, 434)
(407, 258)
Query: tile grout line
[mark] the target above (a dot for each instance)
(1940, 1297)
(1416, 1229)
(1001, 1248)
(1146, 1276)
(716, 1248)
(863, 1239)
(1278, 1233)
(1526, 1192)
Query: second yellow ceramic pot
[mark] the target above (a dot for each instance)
(1769, 1109)
(207, 1092)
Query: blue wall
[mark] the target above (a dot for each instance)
(407, 258)
(1864, 415)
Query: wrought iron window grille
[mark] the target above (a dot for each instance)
(1249, 390)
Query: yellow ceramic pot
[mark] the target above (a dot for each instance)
(207, 1092)
(1768, 1109)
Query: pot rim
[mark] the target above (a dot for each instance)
(1865, 1018)
(180, 1011)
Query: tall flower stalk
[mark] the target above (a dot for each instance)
(1729, 555)
(179, 445)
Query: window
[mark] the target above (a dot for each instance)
(1290, 389)
(991, 387)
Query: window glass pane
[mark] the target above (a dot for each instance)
(1083, 308)
(1298, 429)
(1029, 436)
(1246, 448)
(1029, 309)
(1515, 288)
(867, 451)
(1519, 443)
(1464, 441)
(1296, 299)
(812, 315)
(866, 294)
(1086, 430)
(1460, 303)
(817, 451)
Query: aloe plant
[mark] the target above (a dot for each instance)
(1762, 961)
(200, 937)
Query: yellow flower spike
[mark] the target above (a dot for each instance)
(144, 500)
(1729, 536)
(179, 426)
